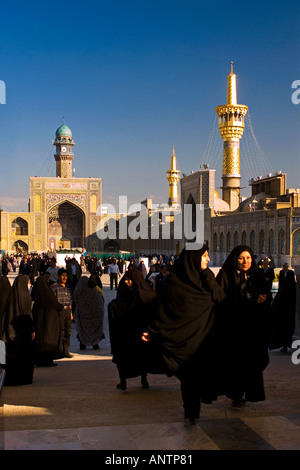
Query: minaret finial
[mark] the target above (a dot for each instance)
(231, 87)
(231, 66)
(173, 176)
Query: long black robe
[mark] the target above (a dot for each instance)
(284, 311)
(128, 316)
(19, 331)
(186, 315)
(245, 328)
(184, 329)
(46, 318)
(5, 291)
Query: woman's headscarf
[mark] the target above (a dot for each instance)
(231, 261)
(187, 267)
(146, 293)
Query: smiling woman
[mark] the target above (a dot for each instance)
(245, 319)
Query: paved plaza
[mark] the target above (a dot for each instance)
(76, 406)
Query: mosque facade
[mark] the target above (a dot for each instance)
(62, 211)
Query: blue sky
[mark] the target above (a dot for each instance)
(135, 78)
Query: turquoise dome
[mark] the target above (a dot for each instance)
(63, 131)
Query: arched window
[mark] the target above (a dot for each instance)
(244, 238)
(215, 242)
(281, 242)
(222, 242)
(236, 239)
(37, 203)
(19, 226)
(271, 242)
(262, 241)
(191, 201)
(228, 242)
(37, 226)
(93, 203)
(296, 242)
(252, 240)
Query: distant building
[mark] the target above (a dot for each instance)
(62, 210)
(268, 221)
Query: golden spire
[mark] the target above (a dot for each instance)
(173, 176)
(231, 127)
(231, 87)
(173, 161)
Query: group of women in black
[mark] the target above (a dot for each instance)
(30, 327)
(210, 332)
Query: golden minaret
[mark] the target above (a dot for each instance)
(231, 127)
(173, 176)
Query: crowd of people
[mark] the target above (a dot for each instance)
(170, 316)
(37, 311)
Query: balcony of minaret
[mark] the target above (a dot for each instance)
(231, 120)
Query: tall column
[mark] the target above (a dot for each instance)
(231, 127)
(173, 176)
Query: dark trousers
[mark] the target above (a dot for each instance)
(190, 396)
(113, 280)
(66, 326)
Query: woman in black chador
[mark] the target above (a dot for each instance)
(5, 290)
(19, 334)
(128, 316)
(46, 318)
(184, 329)
(245, 326)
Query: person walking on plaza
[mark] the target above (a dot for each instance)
(19, 334)
(114, 273)
(46, 312)
(25, 267)
(96, 277)
(128, 316)
(269, 275)
(245, 326)
(120, 264)
(64, 296)
(160, 279)
(183, 328)
(89, 313)
(91, 265)
(74, 272)
(99, 267)
(142, 268)
(284, 310)
(53, 271)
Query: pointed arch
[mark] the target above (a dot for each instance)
(19, 226)
(252, 240)
(66, 221)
